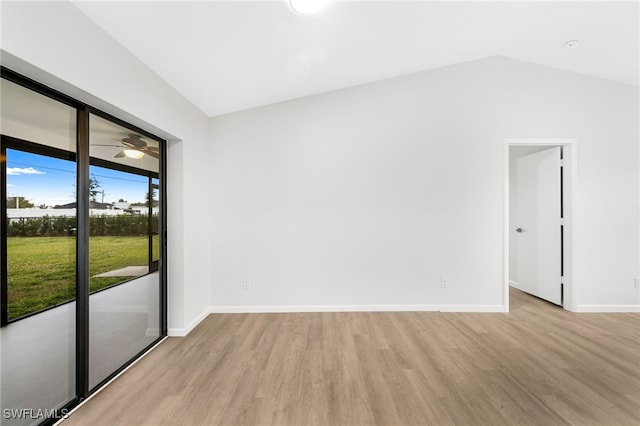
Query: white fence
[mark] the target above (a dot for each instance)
(29, 213)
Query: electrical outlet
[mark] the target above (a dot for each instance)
(636, 282)
(246, 283)
(444, 282)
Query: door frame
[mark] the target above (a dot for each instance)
(569, 155)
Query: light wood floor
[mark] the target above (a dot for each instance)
(537, 365)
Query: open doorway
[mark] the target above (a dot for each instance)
(540, 177)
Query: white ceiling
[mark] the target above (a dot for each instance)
(226, 56)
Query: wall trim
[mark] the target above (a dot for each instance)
(181, 332)
(356, 308)
(608, 308)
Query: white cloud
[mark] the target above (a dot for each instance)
(17, 171)
(9, 185)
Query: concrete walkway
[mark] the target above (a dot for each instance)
(129, 271)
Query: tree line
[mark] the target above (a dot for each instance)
(60, 226)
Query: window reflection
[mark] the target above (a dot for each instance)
(123, 223)
(155, 221)
(124, 205)
(41, 224)
(118, 226)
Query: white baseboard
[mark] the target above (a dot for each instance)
(181, 332)
(357, 308)
(608, 308)
(472, 308)
(513, 283)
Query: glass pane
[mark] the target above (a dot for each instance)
(30, 116)
(41, 224)
(121, 146)
(38, 227)
(124, 314)
(119, 227)
(155, 219)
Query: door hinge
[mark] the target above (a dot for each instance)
(562, 162)
(562, 221)
(561, 280)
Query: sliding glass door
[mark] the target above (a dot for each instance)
(38, 256)
(82, 253)
(123, 278)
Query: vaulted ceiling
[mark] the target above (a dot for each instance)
(226, 56)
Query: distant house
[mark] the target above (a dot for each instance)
(95, 209)
(92, 205)
(122, 205)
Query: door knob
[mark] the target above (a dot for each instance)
(519, 230)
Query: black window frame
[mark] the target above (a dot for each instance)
(31, 147)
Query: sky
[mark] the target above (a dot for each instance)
(52, 181)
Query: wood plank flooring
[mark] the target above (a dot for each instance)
(537, 365)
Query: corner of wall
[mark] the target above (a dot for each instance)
(184, 331)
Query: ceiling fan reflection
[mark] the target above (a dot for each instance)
(133, 146)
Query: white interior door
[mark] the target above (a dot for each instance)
(538, 236)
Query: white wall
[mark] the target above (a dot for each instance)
(53, 42)
(364, 196)
(368, 195)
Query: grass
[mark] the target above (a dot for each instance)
(42, 271)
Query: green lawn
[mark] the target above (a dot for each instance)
(41, 270)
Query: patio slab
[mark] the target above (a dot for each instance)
(129, 271)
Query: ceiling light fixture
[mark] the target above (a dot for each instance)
(307, 7)
(572, 43)
(133, 153)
